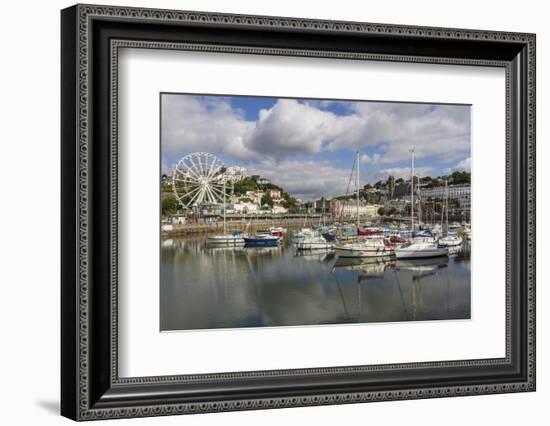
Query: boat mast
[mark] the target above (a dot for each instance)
(412, 191)
(224, 220)
(447, 206)
(357, 188)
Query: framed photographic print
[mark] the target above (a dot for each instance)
(263, 212)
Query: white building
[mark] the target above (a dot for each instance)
(275, 194)
(279, 210)
(256, 196)
(245, 208)
(462, 193)
(456, 192)
(349, 209)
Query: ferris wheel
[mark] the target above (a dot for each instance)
(198, 179)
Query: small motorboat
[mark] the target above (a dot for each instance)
(277, 231)
(261, 240)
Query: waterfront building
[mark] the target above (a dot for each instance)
(254, 196)
(398, 205)
(402, 191)
(275, 194)
(279, 210)
(461, 193)
(246, 208)
(456, 192)
(348, 209)
(177, 219)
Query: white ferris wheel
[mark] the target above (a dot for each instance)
(200, 179)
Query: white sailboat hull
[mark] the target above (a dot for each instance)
(420, 252)
(313, 245)
(451, 241)
(355, 250)
(225, 241)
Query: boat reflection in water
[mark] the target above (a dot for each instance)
(374, 266)
(205, 287)
(422, 266)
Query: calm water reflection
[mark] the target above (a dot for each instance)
(251, 287)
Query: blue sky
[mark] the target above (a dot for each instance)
(308, 146)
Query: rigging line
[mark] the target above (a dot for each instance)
(347, 190)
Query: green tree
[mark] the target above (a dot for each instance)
(382, 211)
(290, 203)
(246, 184)
(169, 206)
(266, 199)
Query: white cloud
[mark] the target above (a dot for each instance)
(405, 172)
(190, 124)
(463, 166)
(439, 133)
(290, 128)
(370, 159)
(305, 179)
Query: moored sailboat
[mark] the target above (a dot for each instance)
(367, 248)
(423, 247)
(226, 240)
(314, 242)
(421, 250)
(451, 239)
(234, 239)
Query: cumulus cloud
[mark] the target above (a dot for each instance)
(370, 159)
(405, 172)
(435, 131)
(191, 123)
(290, 128)
(307, 179)
(463, 166)
(286, 141)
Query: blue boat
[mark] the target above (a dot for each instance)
(261, 241)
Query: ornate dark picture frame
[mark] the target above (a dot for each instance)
(91, 37)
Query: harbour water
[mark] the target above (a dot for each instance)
(210, 288)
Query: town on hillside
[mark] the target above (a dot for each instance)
(254, 196)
